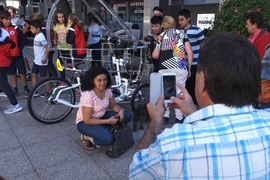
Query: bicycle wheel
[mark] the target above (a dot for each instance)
(140, 96)
(44, 107)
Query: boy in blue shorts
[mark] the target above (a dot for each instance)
(41, 53)
(17, 36)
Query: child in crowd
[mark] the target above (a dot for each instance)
(41, 53)
(75, 37)
(60, 33)
(96, 30)
(6, 60)
(51, 68)
(20, 22)
(18, 37)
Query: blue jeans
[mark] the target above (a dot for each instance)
(100, 134)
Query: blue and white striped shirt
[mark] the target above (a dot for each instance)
(216, 142)
(195, 36)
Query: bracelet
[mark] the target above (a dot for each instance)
(121, 109)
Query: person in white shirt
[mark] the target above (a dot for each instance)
(41, 53)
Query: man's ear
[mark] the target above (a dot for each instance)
(201, 82)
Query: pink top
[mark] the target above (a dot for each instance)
(89, 99)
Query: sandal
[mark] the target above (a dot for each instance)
(88, 145)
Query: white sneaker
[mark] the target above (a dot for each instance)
(3, 94)
(12, 109)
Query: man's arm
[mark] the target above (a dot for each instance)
(156, 113)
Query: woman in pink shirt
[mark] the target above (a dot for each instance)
(92, 118)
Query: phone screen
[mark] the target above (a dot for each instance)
(169, 87)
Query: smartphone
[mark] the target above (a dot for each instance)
(155, 87)
(168, 86)
(117, 117)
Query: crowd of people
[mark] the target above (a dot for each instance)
(221, 130)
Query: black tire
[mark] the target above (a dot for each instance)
(44, 108)
(140, 96)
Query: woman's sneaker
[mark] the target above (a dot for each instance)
(3, 94)
(12, 109)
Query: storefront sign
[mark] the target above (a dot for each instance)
(205, 21)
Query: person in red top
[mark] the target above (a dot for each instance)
(5, 62)
(259, 36)
(17, 36)
(75, 37)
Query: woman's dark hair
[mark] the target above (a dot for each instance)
(91, 17)
(256, 17)
(55, 20)
(87, 81)
(232, 69)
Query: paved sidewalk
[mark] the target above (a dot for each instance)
(32, 150)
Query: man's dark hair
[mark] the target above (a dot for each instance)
(36, 23)
(256, 17)
(186, 13)
(156, 20)
(232, 69)
(156, 8)
(2, 8)
(4, 14)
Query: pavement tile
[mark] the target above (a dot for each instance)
(79, 169)
(55, 151)
(119, 164)
(32, 175)
(14, 163)
(8, 140)
(3, 122)
(36, 133)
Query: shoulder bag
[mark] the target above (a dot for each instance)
(123, 139)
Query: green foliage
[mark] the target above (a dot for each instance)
(232, 15)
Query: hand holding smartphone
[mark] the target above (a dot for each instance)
(168, 86)
(162, 84)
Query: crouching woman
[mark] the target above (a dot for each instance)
(92, 117)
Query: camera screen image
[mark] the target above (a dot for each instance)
(169, 87)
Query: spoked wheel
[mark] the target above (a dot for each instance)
(140, 96)
(44, 107)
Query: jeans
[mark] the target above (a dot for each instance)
(5, 86)
(100, 134)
